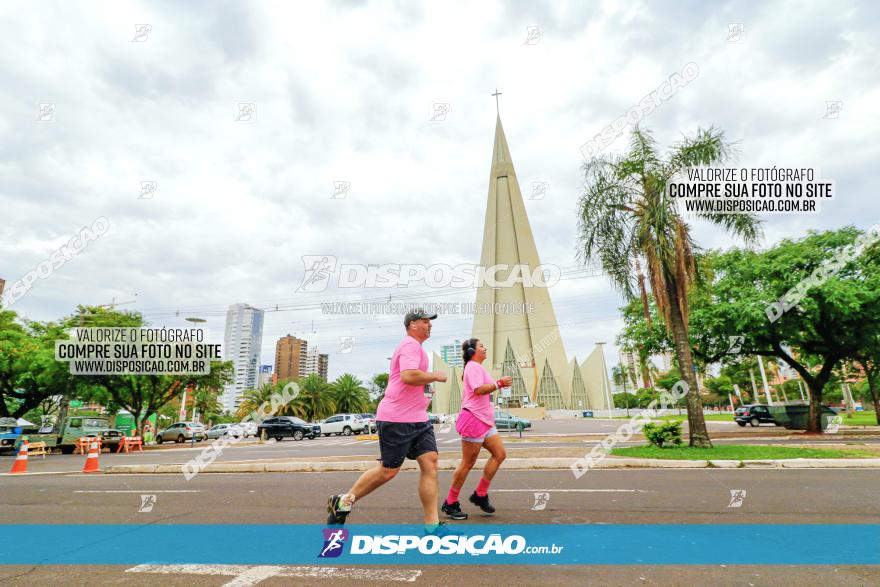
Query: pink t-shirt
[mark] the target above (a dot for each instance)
(402, 402)
(475, 375)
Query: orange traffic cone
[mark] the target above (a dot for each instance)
(20, 464)
(92, 459)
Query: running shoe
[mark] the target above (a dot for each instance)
(441, 529)
(453, 510)
(482, 501)
(338, 508)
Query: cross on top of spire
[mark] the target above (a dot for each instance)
(496, 94)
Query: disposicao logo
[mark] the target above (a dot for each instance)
(334, 542)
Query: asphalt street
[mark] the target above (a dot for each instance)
(637, 496)
(547, 434)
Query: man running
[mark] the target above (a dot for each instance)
(405, 431)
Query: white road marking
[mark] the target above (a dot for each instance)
(139, 491)
(247, 575)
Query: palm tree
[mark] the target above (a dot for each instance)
(315, 400)
(252, 399)
(350, 394)
(624, 210)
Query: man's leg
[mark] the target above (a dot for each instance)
(372, 479)
(428, 486)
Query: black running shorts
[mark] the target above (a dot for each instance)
(404, 440)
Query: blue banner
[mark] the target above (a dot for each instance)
(516, 544)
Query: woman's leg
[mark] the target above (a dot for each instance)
(495, 446)
(469, 453)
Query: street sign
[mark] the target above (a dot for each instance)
(75, 403)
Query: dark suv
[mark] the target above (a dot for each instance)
(281, 426)
(754, 414)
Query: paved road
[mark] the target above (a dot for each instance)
(600, 497)
(362, 446)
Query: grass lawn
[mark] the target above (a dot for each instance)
(738, 452)
(860, 419)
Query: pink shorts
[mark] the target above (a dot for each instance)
(469, 426)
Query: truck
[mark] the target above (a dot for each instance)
(66, 435)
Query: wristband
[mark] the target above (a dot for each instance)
(498, 385)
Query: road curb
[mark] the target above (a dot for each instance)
(521, 464)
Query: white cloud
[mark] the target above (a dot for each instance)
(344, 92)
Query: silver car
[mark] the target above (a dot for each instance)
(182, 431)
(219, 430)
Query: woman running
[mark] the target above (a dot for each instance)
(476, 425)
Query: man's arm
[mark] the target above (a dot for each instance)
(418, 377)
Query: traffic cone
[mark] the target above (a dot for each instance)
(92, 459)
(20, 464)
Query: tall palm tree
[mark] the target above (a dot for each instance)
(252, 399)
(315, 400)
(350, 394)
(624, 209)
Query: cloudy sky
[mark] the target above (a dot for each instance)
(346, 92)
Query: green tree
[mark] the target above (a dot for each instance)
(29, 374)
(624, 211)
(828, 324)
(378, 384)
(315, 399)
(142, 395)
(349, 394)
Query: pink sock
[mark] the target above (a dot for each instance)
(453, 495)
(483, 487)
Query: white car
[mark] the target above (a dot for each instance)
(344, 424)
(248, 428)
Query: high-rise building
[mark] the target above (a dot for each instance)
(451, 354)
(242, 342)
(316, 363)
(290, 357)
(629, 360)
(265, 375)
(527, 344)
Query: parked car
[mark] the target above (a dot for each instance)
(433, 418)
(344, 424)
(249, 428)
(280, 427)
(233, 430)
(505, 421)
(181, 431)
(370, 419)
(754, 415)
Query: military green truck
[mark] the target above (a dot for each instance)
(71, 429)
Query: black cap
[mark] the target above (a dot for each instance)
(416, 314)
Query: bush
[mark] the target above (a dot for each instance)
(664, 433)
